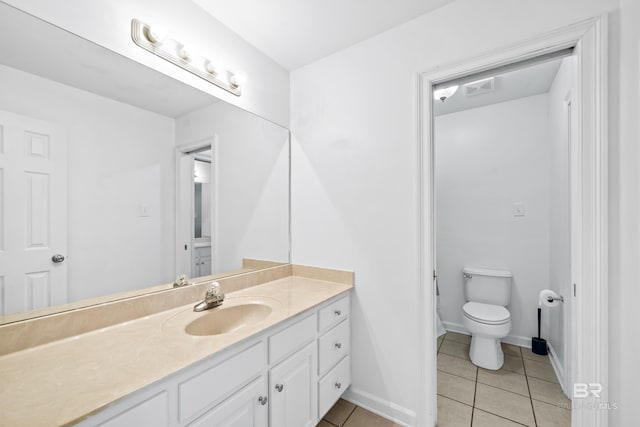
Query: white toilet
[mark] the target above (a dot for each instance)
(485, 316)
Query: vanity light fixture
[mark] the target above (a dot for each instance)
(156, 40)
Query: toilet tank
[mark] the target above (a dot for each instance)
(487, 285)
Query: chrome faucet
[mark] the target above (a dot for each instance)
(212, 298)
(181, 280)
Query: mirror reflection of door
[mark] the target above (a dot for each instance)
(33, 199)
(202, 220)
(195, 211)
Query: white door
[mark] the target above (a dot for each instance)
(293, 390)
(33, 214)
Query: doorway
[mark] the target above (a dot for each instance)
(502, 231)
(196, 209)
(588, 317)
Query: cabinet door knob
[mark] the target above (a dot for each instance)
(338, 345)
(338, 385)
(338, 312)
(279, 387)
(263, 400)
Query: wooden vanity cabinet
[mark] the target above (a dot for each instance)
(287, 376)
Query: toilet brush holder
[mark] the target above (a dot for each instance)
(539, 345)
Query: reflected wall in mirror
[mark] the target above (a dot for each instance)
(100, 196)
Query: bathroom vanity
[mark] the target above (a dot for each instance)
(281, 358)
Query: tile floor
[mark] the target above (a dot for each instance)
(346, 414)
(525, 391)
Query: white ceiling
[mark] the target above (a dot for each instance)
(295, 33)
(531, 80)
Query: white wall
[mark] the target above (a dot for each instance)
(556, 319)
(486, 159)
(108, 23)
(354, 125)
(624, 211)
(119, 157)
(251, 181)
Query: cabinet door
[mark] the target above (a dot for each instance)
(205, 266)
(245, 408)
(195, 266)
(292, 387)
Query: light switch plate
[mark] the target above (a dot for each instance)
(518, 209)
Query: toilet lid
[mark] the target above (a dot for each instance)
(486, 313)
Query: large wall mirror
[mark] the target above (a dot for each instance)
(115, 178)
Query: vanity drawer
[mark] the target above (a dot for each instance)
(199, 392)
(291, 338)
(331, 387)
(333, 346)
(333, 313)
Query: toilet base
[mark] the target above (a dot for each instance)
(486, 352)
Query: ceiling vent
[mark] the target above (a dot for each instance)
(480, 86)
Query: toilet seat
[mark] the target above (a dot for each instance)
(488, 314)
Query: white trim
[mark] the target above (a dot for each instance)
(556, 363)
(589, 220)
(384, 408)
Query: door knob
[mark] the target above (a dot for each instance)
(279, 387)
(57, 258)
(262, 400)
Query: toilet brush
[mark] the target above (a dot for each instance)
(539, 345)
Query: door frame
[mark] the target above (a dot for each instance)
(589, 221)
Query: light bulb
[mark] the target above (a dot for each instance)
(156, 34)
(185, 52)
(211, 68)
(236, 79)
(444, 93)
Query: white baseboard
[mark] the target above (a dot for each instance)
(556, 363)
(518, 340)
(382, 407)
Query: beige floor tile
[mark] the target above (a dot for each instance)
(439, 344)
(513, 364)
(453, 348)
(323, 423)
(485, 419)
(528, 354)
(505, 404)
(363, 418)
(461, 338)
(452, 413)
(540, 370)
(548, 392)
(505, 380)
(339, 413)
(511, 350)
(456, 388)
(457, 366)
(550, 415)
